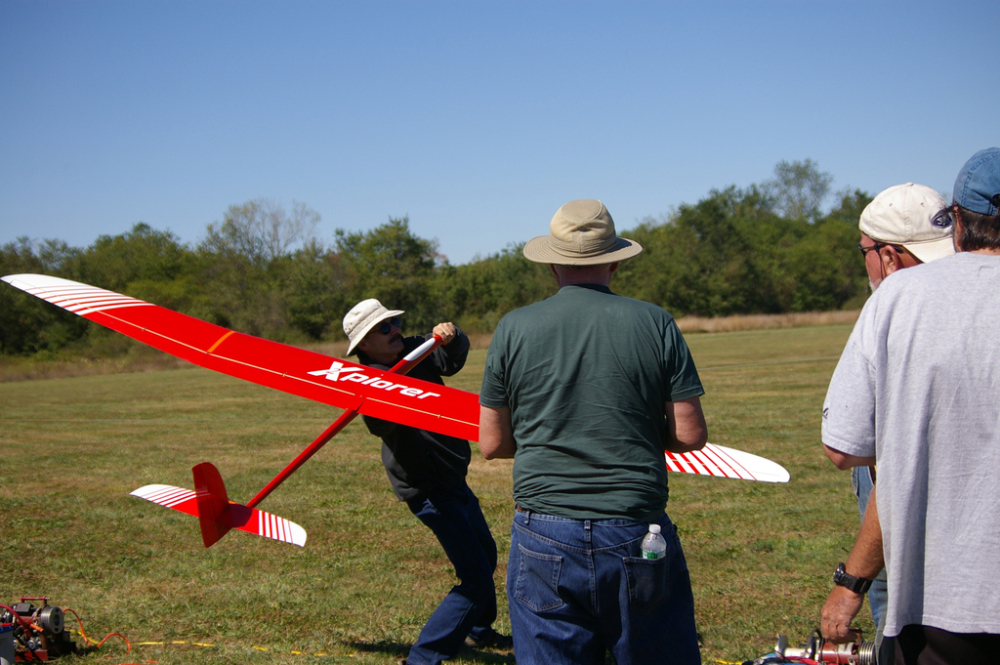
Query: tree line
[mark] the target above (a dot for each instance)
(765, 249)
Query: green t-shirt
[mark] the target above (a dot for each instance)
(586, 374)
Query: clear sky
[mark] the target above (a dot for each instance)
(477, 119)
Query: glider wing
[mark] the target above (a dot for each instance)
(323, 378)
(304, 373)
(723, 462)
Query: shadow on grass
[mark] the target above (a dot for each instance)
(399, 650)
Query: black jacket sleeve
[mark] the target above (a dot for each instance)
(443, 361)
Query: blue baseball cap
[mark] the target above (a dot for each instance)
(977, 187)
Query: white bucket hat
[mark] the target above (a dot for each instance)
(363, 317)
(907, 215)
(581, 233)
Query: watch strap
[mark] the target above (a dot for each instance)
(842, 578)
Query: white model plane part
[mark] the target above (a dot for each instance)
(723, 462)
(246, 519)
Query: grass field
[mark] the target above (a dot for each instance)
(71, 450)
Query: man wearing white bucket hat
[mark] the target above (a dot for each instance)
(585, 390)
(427, 471)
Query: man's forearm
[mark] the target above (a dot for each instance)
(684, 426)
(843, 461)
(865, 560)
(496, 433)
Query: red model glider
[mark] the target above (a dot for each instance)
(340, 383)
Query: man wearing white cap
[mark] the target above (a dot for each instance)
(427, 471)
(902, 227)
(585, 390)
(916, 391)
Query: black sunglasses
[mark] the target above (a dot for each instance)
(388, 324)
(867, 248)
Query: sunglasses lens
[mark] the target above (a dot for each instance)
(387, 325)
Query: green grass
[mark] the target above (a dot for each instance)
(71, 450)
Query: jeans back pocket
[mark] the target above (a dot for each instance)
(648, 581)
(537, 583)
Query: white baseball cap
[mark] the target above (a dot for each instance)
(910, 215)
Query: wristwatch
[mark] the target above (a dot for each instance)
(855, 584)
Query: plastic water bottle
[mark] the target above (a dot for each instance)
(653, 546)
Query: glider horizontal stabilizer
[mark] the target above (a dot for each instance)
(237, 516)
(723, 462)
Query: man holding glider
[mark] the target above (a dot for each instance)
(427, 471)
(902, 227)
(916, 391)
(585, 390)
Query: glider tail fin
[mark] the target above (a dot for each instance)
(214, 511)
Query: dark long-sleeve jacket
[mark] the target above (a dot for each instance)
(419, 462)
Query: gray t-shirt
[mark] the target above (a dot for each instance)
(918, 387)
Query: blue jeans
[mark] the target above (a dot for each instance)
(577, 588)
(470, 608)
(878, 594)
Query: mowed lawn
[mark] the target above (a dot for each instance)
(71, 450)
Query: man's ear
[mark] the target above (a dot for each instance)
(890, 258)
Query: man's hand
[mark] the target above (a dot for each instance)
(842, 605)
(446, 331)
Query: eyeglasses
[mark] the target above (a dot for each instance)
(867, 248)
(387, 325)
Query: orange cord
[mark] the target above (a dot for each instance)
(98, 645)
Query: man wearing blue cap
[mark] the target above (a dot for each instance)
(920, 397)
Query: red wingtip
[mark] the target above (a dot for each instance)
(214, 513)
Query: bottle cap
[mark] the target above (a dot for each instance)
(654, 528)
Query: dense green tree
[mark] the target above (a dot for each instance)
(141, 254)
(240, 262)
(27, 324)
(762, 249)
(485, 289)
(395, 266)
(713, 258)
(798, 189)
(316, 291)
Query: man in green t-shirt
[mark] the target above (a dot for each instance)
(586, 390)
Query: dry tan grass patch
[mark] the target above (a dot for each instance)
(763, 321)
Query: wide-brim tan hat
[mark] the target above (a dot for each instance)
(363, 317)
(581, 233)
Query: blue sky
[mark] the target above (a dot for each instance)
(476, 119)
